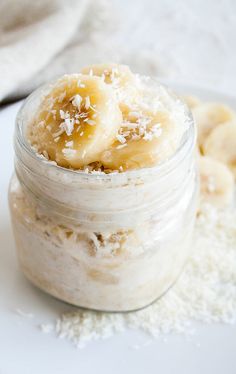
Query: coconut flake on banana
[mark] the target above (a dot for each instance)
(145, 139)
(77, 120)
(216, 182)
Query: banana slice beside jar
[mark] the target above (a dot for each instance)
(221, 145)
(216, 182)
(77, 120)
(208, 116)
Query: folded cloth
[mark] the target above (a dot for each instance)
(42, 39)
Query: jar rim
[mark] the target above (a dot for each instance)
(187, 143)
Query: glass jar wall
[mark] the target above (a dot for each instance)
(112, 242)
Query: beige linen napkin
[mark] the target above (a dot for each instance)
(42, 39)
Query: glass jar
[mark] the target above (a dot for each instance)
(111, 242)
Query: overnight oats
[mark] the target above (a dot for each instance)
(103, 199)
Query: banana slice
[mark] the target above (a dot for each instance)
(120, 77)
(221, 145)
(77, 121)
(144, 140)
(208, 116)
(216, 182)
(191, 101)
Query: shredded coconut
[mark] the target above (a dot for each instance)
(80, 84)
(91, 122)
(205, 292)
(68, 152)
(64, 115)
(121, 146)
(45, 154)
(68, 126)
(61, 97)
(46, 327)
(121, 138)
(69, 144)
(77, 101)
(87, 102)
(23, 313)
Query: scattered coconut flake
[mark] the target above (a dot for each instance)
(68, 126)
(157, 132)
(148, 136)
(134, 114)
(80, 84)
(77, 100)
(120, 146)
(205, 292)
(120, 138)
(58, 133)
(135, 137)
(46, 328)
(61, 97)
(45, 154)
(68, 152)
(23, 313)
(91, 122)
(87, 102)
(63, 114)
(69, 144)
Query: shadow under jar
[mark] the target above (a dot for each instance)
(111, 242)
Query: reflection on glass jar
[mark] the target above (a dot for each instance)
(112, 242)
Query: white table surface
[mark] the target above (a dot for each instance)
(25, 349)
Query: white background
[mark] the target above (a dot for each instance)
(184, 41)
(191, 41)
